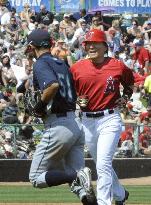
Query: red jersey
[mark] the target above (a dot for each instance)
(138, 78)
(126, 135)
(101, 83)
(142, 56)
(143, 140)
(144, 115)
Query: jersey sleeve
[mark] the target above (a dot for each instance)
(44, 75)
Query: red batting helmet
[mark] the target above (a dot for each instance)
(95, 35)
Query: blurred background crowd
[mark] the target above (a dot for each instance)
(128, 40)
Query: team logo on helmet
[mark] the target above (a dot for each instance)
(95, 35)
(89, 35)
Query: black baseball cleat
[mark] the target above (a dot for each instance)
(123, 201)
(86, 202)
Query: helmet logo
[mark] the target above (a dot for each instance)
(90, 35)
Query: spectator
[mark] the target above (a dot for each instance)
(9, 114)
(96, 23)
(26, 13)
(114, 43)
(13, 30)
(54, 30)
(125, 22)
(26, 131)
(4, 98)
(136, 100)
(44, 17)
(61, 51)
(144, 138)
(80, 32)
(9, 146)
(99, 14)
(23, 76)
(141, 55)
(147, 25)
(5, 18)
(15, 15)
(77, 52)
(24, 32)
(8, 77)
(32, 24)
(66, 26)
(134, 28)
(85, 16)
(146, 115)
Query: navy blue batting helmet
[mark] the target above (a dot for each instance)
(39, 38)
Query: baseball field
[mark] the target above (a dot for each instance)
(24, 193)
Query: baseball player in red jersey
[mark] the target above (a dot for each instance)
(97, 80)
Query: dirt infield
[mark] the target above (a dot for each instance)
(131, 181)
(137, 181)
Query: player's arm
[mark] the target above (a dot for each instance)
(46, 79)
(49, 92)
(47, 96)
(127, 82)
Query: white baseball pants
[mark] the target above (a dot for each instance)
(102, 135)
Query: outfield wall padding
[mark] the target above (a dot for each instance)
(18, 170)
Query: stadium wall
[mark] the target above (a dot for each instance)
(17, 170)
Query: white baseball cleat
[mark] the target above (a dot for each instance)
(84, 179)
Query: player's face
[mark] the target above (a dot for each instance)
(95, 50)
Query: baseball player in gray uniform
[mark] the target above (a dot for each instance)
(59, 157)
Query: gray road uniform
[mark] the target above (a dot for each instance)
(60, 152)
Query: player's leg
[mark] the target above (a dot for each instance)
(74, 160)
(55, 144)
(109, 129)
(118, 189)
(106, 140)
(47, 161)
(84, 175)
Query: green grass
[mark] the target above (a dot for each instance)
(61, 194)
(28, 194)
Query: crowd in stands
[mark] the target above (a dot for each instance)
(128, 41)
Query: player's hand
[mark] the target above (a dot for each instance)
(40, 109)
(82, 101)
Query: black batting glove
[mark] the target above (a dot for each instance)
(40, 109)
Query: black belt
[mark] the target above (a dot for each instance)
(98, 114)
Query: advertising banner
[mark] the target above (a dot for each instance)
(35, 4)
(68, 5)
(124, 6)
